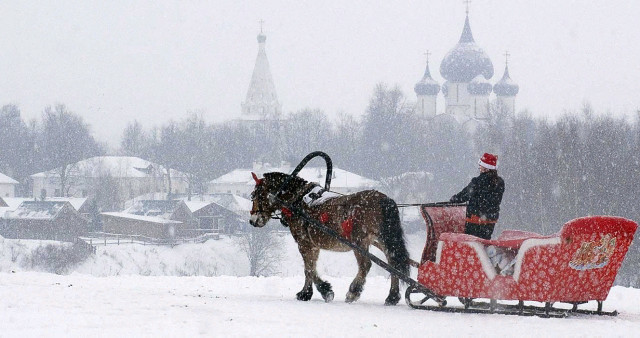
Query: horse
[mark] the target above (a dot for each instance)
(366, 218)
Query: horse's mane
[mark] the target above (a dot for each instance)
(277, 178)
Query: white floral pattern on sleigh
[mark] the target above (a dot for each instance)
(577, 264)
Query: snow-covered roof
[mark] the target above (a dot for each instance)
(341, 178)
(235, 203)
(114, 166)
(196, 205)
(151, 219)
(4, 179)
(232, 202)
(76, 202)
(14, 202)
(37, 210)
(156, 208)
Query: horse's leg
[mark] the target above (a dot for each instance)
(394, 292)
(356, 287)
(323, 287)
(309, 256)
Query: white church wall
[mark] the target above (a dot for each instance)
(458, 101)
(508, 102)
(426, 106)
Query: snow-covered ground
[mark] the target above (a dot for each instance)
(131, 290)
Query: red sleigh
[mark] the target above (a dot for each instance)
(576, 265)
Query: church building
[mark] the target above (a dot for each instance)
(467, 90)
(261, 102)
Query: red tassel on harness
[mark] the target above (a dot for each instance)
(324, 217)
(286, 212)
(347, 227)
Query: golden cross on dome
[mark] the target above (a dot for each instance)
(427, 54)
(506, 57)
(467, 2)
(261, 23)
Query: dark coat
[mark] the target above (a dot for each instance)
(484, 195)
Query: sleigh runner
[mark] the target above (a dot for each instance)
(574, 266)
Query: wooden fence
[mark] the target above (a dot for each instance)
(104, 238)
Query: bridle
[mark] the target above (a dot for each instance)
(272, 197)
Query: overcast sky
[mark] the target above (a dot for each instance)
(115, 61)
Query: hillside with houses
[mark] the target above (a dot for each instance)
(141, 203)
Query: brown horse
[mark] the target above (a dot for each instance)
(366, 218)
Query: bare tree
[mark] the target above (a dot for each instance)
(165, 150)
(64, 140)
(134, 140)
(307, 130)
(263, 249)
(196, 156)
(17, 143)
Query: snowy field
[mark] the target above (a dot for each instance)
(130, 290)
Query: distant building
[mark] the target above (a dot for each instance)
(211, 216)
(120, 177)
(240, 181)
(219, 212)
(78, 203)
(148, 226)
(7, 186)
(47, 220)
(152, 218)
(261, 102)
(261, 112)
(467, 70)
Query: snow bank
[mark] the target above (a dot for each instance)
(213, 258)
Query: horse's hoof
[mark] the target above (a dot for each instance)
(352, 297)
(328, 297)
(392, 300)
(325, 290)
(304, 295)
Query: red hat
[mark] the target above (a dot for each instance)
(489, 161)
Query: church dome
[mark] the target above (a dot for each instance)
(479, 86)
(262, 38)
(427, 86)
(506, 86)
(466, 60)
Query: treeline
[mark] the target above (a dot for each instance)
(388, 140)
(580, 164)
(57, 139)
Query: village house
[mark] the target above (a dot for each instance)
(213, 217)
(160, 219)
(7, 186)
(240, 181)
(47, 220)
(118, 177)
(231, 211)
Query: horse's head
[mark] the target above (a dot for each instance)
(264, 205)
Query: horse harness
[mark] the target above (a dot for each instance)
(314, 195)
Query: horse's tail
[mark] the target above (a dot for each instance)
(392, 236)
